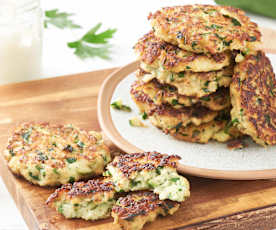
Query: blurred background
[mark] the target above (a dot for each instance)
(130, 20)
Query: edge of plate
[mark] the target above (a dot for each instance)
(108, 128)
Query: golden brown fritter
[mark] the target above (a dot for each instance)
(206, 28)
(89, 200)
(149, 171)
(169, 116)
(189, 83)
(253, 97)
(133, 211)
(50, 155)
(167, 94)
(159, 54)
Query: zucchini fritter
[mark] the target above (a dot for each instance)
(159, 54)
(167, 94)
(189, 83)
(149, 171)
(206, 28)
(50, 155)
(170, 116)
(253, 97)
(135, 210)
(90, 200)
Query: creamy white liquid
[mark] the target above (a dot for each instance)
(20, 47)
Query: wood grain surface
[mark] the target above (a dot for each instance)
(214, 204)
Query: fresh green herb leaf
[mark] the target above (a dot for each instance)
(144, 116)
(206, 90)
(118, 105)
(60, 209)
(188, 67)
(71, 160)
(83, 48)
(59, 19)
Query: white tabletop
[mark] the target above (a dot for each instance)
(130, 19)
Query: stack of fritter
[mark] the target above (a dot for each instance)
(186, 66)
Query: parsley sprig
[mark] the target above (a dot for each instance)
(59, 19)
(100, 48)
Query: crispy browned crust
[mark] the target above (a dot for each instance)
(128, 163)
(253, 92)
(152, 49)
(166, 93)
(37, 137)
(82, 189)
(205, 28)
(141, 204)
(196, 111)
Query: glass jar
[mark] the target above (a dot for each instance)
(20, 40)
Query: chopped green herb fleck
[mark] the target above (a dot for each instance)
(181, 74)
(71, 160)
(118, 105)
(71, 180)
(80, 144)
(171, 78)
(11, 152)
(107, 173)
(230, 124)
(188, 67)
(33, 176)
(194, 43)
(174, 102)
(178, 126)
(42, 157)
(158, 170)
(267, 118)
(174, 179)
(60, 209)
(55, 171)
(214, 26)
(206, 90)
(27, 135)
(252, 38)
(235, 22)
(144, 116)
(206, 98)
(134, 183)
(38, 167)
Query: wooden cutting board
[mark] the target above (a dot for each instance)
(214, 204)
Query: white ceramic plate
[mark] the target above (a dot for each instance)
(208, 160)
